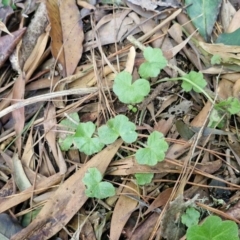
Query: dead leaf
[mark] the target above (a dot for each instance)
(130, 60)
(226, 15)
(4, 28)
(122, 211)
(50, 127)
(8, 44)
(13, 200)
(35, 29)
(234, 24)
(67, 200)
(56, 33)
(72, 34)
(18, 114)
(160, 201)
(145, 229)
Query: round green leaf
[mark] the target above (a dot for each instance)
(143, 178)
(129, 92)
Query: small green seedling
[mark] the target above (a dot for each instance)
(115, 127)
(155, 150)
(96, 188)
(80, 135)
(213, 228)
(83, 139)
(231, 105)
(223, 111)
(216, 59)
(144, 178)
(129, 92)
(70, 125)
(155, 62)
(132, 108)
(196, 82)
(190, 217)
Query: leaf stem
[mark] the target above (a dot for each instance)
(190, 82)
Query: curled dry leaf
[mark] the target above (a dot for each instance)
(8, 44)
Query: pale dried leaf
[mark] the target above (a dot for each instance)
(73, 35)
(122, 211)
(56, 33)
(18, 114)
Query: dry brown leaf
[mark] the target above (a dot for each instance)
(4, 28)
(8, 44)
(28, 152)
(33, 60)
(236, 89)
(11, 201)
(226, 15)
(50, 127)
(35, 29)
(235, 23)
(56, 33)
(130, 60)
(122, 211)
(18, 114)
(72, 34)
(160, 201)
(145, 229)
(225, 89)
(119, 21)
(67, 200)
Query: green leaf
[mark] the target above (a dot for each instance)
(71, 124)
(30, 216)
(155, 62)
(155, 150)
(216, 120)
(232, 39)
(197, 79)
(216, 59)
(66, 143)
(129, 92)
(95, 187)
(92, 177)
(115, 127)
(203, 14)
(144, 178)
(191, 217)
(84, 141)
(231, 105)
(213, 228)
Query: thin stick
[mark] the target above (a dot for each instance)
(47, 96)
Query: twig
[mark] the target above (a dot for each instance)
(44, 97)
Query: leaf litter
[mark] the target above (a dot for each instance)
(60, 65)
